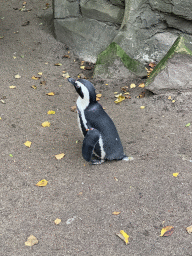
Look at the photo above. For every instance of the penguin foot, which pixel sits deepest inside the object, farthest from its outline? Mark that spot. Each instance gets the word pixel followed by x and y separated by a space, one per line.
pixel 96 161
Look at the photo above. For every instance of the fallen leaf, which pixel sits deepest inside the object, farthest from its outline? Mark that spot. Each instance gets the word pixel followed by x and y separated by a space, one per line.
pixel 82 67
pixel 142 107
pixel 1 37
pixel 66 75
pixel 175 174
pixel 46 124
pixel 115 92
pixel 167 231
pixel 123 236
pixel 40 73
pixel 57 221
pixel 17 76
pixel 97 99
pixel 120 94
pixel 169 98
pixel 126 93
pixel 10 155
pixel 31 240
pixel 58 64
pixel 98 95
pixel 187 125
pixel 34 86
pixel 132 86
pixel 142 85
pixel 115 178
pixel 116 213
pixel 50 93
pixel 66 56
pixel 14 57
pixel 42 183
pixel 73 108
pixel 173 101
pixel 76 141
pixel 35 77
pixel 59 156
pixel 106 84
pixel 28 143
pixel 82 62
pixel 0 118
pixel 189 229
pixel 80 193
pixel 43 82
pixel 12 86
pixel 152 64
pixel 124 88
pixel 81 76
pixel 119 99
pixel 51 112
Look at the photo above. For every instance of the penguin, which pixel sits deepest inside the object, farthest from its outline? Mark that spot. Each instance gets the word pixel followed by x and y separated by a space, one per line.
pixel 101 138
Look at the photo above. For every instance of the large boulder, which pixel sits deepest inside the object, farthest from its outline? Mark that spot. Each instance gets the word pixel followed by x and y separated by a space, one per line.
pixel 173 72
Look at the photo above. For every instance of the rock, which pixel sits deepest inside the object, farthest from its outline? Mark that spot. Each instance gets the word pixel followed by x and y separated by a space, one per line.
pixel 65 8
pixel 101 10
pixel 113 62
pixel 118 2
pixel 173 72
pixel 87 36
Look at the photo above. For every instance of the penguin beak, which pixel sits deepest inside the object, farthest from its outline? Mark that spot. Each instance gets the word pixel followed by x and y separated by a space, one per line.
pixel 73 81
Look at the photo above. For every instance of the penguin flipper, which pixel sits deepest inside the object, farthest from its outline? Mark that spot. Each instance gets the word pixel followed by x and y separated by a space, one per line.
pixel 89 142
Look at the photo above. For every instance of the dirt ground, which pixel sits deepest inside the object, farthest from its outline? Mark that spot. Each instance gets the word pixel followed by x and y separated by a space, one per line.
pixel 84 196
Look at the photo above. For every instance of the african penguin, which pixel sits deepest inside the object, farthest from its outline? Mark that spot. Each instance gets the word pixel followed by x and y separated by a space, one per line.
pixel 100 134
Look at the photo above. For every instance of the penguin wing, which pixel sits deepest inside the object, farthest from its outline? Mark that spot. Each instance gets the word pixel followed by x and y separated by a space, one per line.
pixel 89 142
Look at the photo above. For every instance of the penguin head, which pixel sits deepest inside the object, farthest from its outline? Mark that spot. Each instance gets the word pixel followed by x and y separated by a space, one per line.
pixel 85 89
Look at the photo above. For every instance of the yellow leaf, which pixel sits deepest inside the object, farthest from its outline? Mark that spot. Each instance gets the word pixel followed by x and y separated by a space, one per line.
pixel 31 240
pixel 58 64
pixel 73 108
pixel 17 76
pixel 97 99
pixel 106 84
pixel 35 77
pixel 82 67
pixel 173 101
pixel 142 107
pixel 42 183
pixel 116 213
pixel 40 73
pixel 34 87
pixel 59 156
pixel 132 86
pixel 167 231
pixel 123 236
pixel 126 93
pixel 99 95
pixel 46 124
pixel 189 229
pixel 27 144
pixel 119 99
pixel 57 221
pixel 115 92
pixel 169 98
pixel 51 112
pixel 14 57
pixel 142 85
pixel 175 174
pixel 50 93
pixel 12 86
pixel 118 95
pixel 66 75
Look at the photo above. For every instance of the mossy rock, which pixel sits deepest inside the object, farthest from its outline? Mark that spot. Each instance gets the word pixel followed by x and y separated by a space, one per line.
pixel 180 54
pixel 115 60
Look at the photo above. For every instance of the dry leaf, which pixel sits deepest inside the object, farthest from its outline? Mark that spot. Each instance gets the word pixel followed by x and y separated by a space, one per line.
pixel 66 56
pixel 126 93
pixel 167 231
pixel 17 76
pixel 116 213
pixel 123 236
pixel 51 112
pixel 73 108
pixel 34 86
pixel 31 240
pixel 82 62
pixel 50 93
pixel 97 99
pixel 59 156
pixel 99 95
pixel 58 64
pixel 115 178
pixel 173 101
pixel 14 57
pixel 124 89
pixel 57 221
pixel 82 67
pixel 142 85
pixel 115 92
pixel 43 82
pixel 152 64
pixel 189 229
pixel 40 73
pixel 35 77
pixel 12 86
pixel 42 183
pixel 187 125
pixel 27 143
pixel 142 107
pixel 169 98
pixel 175 174
pixel 119 99
pixel 46 124
pixel 132 86
pixel 66 75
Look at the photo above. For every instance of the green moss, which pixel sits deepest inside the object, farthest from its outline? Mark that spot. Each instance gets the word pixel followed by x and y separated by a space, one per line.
pixel 179 47
pixel 114 51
